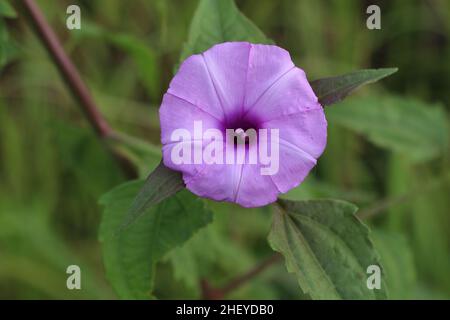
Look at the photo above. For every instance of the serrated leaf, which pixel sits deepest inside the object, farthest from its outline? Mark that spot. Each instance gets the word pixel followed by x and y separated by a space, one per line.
pixel 398 263
pixel 131 255
pixel 326 247
pixel 334 89
pixel 217 21
pixel 407 126
pixel 160 184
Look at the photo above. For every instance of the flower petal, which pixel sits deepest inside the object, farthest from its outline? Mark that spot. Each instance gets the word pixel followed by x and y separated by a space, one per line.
pixel 289 94
pixel 266 65
pixel 214 181
pixel 227 64
pixel 306 130
pixel 186 168
pixel 255 190
pixel 259 85
pixel 242 184
pixel 295 164
pixel 193 84
pixel 177 113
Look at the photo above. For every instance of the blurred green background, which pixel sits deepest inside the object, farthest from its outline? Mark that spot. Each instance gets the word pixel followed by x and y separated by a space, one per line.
pixel 391 160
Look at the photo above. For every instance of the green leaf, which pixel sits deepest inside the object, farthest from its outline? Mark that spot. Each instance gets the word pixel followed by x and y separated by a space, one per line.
pixel 326 247
pixel 334 89
pixel 217 21
pixel 6 10
pixel 398 263
pixel 131 255
pixel 160 184
pixel 407 126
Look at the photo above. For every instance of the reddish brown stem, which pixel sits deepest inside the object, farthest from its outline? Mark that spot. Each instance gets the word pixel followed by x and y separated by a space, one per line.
pixel 82 94
pixel 74 82
pixel 211 293
pixel 67 68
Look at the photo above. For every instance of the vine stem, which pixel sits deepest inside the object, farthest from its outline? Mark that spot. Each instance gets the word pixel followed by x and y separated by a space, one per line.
pixel 416 192
pixel 80 91
pixel 74 82
pixel 210 293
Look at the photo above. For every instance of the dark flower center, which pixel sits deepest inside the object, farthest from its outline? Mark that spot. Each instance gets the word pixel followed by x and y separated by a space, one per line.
pixel 238 121
pixel 240 124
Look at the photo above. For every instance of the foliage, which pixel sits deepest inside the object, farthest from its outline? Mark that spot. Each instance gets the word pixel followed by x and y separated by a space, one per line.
pixel 216 22
pixel 387 153
pixel 334 89
pixel 327 248
pixel 130 255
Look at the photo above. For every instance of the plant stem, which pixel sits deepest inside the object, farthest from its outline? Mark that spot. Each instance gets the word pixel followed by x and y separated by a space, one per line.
pixel 219 293
pixel 67 68
pixel 416 192
pixel 73 81
pixel 213 293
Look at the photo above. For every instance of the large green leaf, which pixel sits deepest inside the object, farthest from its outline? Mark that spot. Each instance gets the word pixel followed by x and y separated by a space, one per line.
pixel 404 125
pixel 398 263
pixel 130 255
pixel 217 21
pixel 160 184
pixel 326 247
pixel 334 89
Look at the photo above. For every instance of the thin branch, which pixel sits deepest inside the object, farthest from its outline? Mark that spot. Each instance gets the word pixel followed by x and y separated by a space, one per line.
pixel 413 194
pixel 67 68
pixel 82 94
pixel 219 293
pixel 385 204
pixel 73 80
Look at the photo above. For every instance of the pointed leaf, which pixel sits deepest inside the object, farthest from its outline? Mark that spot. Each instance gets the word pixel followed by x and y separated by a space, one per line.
pixel 334 89
pixel 326 247
pixel 160 184
pixel 217 21
pixel 131 255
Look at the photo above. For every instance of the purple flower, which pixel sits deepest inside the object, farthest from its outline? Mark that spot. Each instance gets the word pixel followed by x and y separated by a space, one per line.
pixel 240 86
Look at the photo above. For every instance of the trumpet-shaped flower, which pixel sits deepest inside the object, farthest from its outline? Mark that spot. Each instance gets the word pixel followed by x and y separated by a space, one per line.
pixel 246 88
